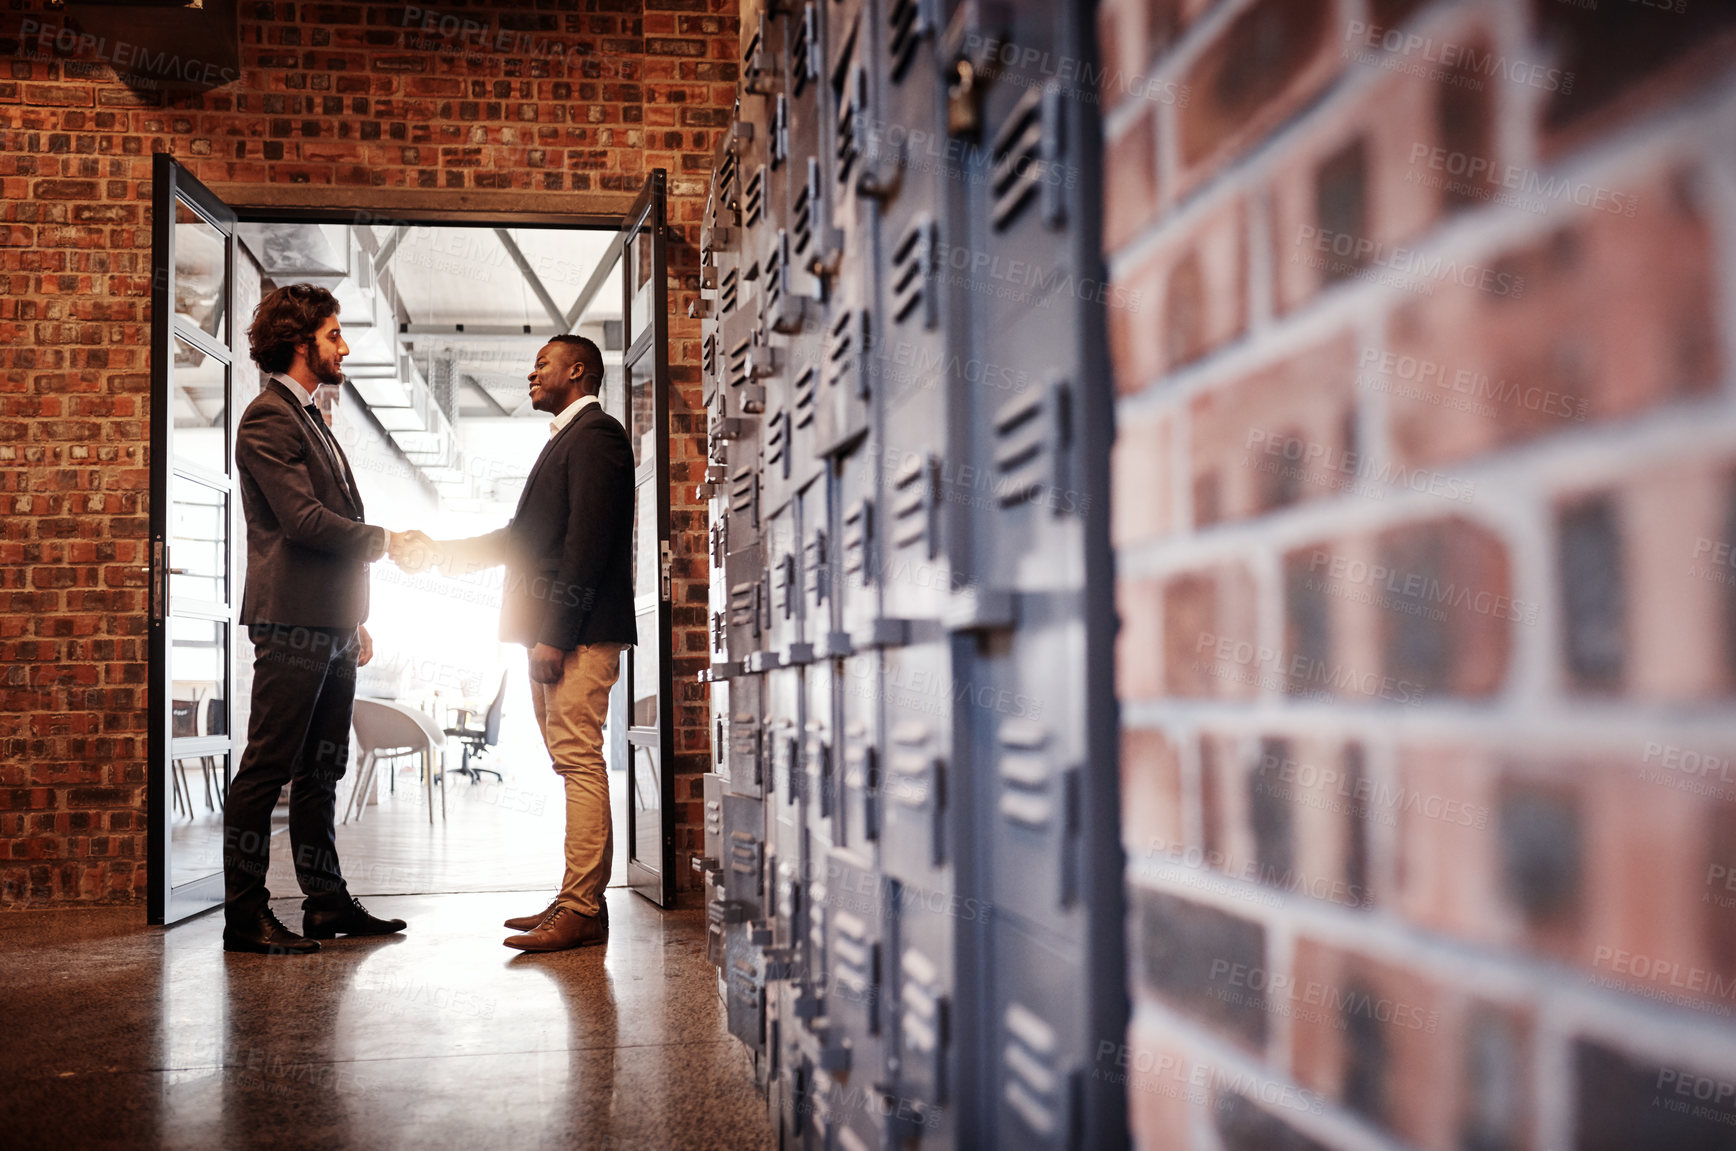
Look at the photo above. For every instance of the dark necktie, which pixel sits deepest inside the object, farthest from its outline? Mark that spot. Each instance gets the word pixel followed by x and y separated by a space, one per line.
pixel 331 448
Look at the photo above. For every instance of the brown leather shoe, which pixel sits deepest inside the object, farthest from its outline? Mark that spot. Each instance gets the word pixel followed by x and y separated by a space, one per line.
pixel 530 922
pixel 563 928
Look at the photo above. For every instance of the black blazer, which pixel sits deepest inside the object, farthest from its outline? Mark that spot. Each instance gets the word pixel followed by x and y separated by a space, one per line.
pixel 307 548
pixel 568 547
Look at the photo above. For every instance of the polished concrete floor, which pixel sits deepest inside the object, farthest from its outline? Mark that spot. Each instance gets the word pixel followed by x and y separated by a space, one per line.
pixel 126 1036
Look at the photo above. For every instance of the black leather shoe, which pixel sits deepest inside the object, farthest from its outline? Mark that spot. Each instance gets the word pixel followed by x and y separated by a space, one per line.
pixel 266 936
pixel 351 920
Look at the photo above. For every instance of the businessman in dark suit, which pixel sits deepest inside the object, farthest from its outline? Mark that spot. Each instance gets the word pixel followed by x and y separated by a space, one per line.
pixel 308 552
pixel 568 598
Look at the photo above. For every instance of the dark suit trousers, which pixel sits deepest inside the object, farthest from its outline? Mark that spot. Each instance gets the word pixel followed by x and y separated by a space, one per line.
pixel 304 686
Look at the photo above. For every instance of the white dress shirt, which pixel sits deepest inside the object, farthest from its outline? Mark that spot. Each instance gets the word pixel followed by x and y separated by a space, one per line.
pixel 570 413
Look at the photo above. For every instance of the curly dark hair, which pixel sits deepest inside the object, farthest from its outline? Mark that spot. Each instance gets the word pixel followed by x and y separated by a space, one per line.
pixel 287 319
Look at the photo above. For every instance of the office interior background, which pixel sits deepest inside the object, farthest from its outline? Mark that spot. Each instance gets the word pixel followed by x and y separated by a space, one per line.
pixel 1189 545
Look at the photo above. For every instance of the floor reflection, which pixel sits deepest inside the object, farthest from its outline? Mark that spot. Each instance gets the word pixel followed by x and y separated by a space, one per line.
pixel 439 1038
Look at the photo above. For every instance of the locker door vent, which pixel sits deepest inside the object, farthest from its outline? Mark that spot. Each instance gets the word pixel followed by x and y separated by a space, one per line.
pixel 744 858
pixel 846 351
pixel 785 604
pixel 754 198
pixel 744 606
pixel 861 776
pixel 805 387
pixel 922 1019
pixel 851 103
pixel 1031 440
pixel 819 760
pixel 859 542
pixel 804 51
pixel 817 573
pixel 728 290
pixel 1035 1086
pixel 1026 155
pixel 778 442
pixel 719 540
pixel 1028 796
pixel 744 743
pixel 772 294
pixel 914 505
pixel 802 211
pixel 913 273
pixel 787 752
pixel 726 190
pixel 744 493
pixel 906 25
pixel 856 964
pixel 913 780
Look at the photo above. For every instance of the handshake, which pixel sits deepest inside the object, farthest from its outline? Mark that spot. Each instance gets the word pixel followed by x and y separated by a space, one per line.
pixel 413 551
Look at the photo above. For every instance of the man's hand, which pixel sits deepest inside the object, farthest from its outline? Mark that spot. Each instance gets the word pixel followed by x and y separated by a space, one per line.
pixel 365 642
pixel 412 550
pixel 546 663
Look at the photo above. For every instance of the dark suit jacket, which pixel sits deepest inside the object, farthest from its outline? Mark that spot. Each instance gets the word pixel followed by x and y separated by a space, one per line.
pixel 307 547
pixel 568 547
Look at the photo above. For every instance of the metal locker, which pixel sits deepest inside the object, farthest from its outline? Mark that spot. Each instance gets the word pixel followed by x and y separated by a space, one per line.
pixel 859 758
pixel 848 1034
pixel 914 785
pixel 744 733
pixel 922 1005
pixel 1038 1056
pixel 743 859
pixel 1030 775
pixel 744 979
pixel 918 892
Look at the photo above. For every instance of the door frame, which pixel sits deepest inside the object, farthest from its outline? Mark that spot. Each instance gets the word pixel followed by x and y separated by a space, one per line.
pixel 165 902
pixel 162 903
pixel 648 217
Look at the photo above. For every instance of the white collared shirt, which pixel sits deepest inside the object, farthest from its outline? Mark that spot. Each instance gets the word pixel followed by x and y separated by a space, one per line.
pixel 570 413
pixel 295 388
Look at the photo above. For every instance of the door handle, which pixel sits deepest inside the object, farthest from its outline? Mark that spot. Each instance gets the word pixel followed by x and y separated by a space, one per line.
pixel 159 580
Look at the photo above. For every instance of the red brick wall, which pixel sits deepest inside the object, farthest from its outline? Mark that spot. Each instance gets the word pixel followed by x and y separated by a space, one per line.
pixel 1424 505
pixel 491 107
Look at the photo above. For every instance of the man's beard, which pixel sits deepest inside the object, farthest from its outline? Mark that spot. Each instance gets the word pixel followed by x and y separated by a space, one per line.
pixel 326 370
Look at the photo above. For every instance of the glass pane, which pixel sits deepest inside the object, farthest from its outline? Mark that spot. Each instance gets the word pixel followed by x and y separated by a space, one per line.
pixel 198 542
pixel 647 809
pixel 645 566
pixel 198 677
pixel 645 671
pixel 639 265
pixel 199 404
pixel 198 785
pixel 644 412
pixel 201 256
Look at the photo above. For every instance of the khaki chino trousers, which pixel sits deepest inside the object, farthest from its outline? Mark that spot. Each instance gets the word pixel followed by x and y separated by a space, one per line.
pixel 570 713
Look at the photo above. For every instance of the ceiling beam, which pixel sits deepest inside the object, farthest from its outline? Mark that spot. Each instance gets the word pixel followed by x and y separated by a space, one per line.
pixel 467 378
pixel 605 266
pixel 531 278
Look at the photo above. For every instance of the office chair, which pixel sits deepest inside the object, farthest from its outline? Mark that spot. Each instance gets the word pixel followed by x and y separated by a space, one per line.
pixel 479 739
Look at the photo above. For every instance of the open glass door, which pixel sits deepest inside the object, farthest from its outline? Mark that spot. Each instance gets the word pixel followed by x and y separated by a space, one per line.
pixel 195 580
pixel 642 708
